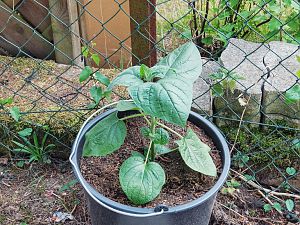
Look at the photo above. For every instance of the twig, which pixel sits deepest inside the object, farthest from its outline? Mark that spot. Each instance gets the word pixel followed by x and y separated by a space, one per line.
pixel 268 200
pixel 7 185
pixel 268 191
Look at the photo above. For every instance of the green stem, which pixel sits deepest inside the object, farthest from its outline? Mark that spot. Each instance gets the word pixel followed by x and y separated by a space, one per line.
pixel 132 116
pixel 169 129
pixel 152 151
pixel 148 152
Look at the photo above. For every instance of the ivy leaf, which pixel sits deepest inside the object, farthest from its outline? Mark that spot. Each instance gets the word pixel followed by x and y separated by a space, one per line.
pixel 267 207
pixel 102 78
pixel 26 132
pixel 85 73
pixel 126 105
pixel 105 137
pixel 161 136
pixel 96 93
pixel 196 154
pixel 140 181
pixel 289 203
pixel 277 206
pixel 293 94
pixel 162 149
pixel 127 78
pixel 290 171
pixel 15 113
pixel 217 90
pixel 96 58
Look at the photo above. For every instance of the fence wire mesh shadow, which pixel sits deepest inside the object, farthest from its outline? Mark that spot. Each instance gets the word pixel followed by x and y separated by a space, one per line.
pixel 249 86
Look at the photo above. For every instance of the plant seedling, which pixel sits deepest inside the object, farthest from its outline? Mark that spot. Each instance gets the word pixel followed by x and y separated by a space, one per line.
pixel 37 151
pixel 160 93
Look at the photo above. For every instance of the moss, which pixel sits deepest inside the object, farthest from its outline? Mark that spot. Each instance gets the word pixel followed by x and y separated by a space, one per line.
pixel 264 146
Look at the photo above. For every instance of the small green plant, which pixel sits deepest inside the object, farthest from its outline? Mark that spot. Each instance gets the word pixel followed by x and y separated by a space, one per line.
pixel 224 81
pixel 292 95
pixel 231 187
pixel 161 93
pixel 37 151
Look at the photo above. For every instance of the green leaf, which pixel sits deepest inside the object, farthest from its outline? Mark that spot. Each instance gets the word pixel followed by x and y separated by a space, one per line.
pixel 217 90
pixel 96 93
pixel 135 153
pixel 105 137
pixel 293 94
pixel 145 73
pixel 85 73
pixel 102 78
pixel 162 149
pixel 85 51
pixel 145 131
pixel 184 62
pixel 141 182
pixel 267 207
pixel 160 70
pixel 289 203
pixel 67 186
pixel 127 78
pixel 96 58
pixel 277 206
pixel 26 132
pixel 126 105
pixel 20 163
pixel 15 113
pixel 290 171
pixel 161 136
pixel 6 101
pixel 296 143
pixel 207 40
pixel 196 154
pixel 187 34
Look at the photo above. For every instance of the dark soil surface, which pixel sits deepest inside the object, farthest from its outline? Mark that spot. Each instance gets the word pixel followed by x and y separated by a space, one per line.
pixel 32 194
pixel 182 184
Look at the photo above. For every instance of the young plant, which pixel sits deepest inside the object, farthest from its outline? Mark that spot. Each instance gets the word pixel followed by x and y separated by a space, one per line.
pixel 161 93
pixel 37 151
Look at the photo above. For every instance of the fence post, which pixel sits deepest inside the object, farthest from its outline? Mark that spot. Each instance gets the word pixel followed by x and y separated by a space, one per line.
pixel 143 29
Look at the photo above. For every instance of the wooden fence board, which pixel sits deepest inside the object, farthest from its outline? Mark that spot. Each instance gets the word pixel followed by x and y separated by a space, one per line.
pixel 61 31
pixel 111 35
pixel 35 12
pixel 16 30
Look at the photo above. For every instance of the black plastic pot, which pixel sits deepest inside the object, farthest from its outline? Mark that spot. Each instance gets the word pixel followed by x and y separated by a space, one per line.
pixel 104 211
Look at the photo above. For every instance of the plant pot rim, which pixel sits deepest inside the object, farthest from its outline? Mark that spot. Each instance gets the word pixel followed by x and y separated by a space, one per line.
pixel 137 210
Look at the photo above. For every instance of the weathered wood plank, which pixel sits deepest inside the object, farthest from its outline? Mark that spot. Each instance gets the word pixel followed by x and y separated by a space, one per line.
pixel 143 30
pixel 73 19
pixel 61 31
pixel 17 31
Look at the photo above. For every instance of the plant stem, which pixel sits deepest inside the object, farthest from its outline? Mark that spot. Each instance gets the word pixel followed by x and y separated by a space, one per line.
pixel 132 116
pixel 152 151
pixel 148 152
pixel 169 129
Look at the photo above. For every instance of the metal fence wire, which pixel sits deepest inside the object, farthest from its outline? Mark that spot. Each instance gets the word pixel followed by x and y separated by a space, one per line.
pixel 249 86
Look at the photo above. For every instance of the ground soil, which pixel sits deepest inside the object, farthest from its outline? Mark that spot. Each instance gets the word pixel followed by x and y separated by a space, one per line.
pixel 182 184
pixel 32 194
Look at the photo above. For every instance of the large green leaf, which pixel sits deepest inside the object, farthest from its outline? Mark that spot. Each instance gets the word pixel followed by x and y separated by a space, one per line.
pixel 126 105
pixel 141 182
pixel 105 137
pixel 196 154
pixel 293 94
pixel 128 77
pixel 184 62
pixel 170 98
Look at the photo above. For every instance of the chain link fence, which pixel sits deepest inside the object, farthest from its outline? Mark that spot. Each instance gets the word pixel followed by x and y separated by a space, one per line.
pixel 249 86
